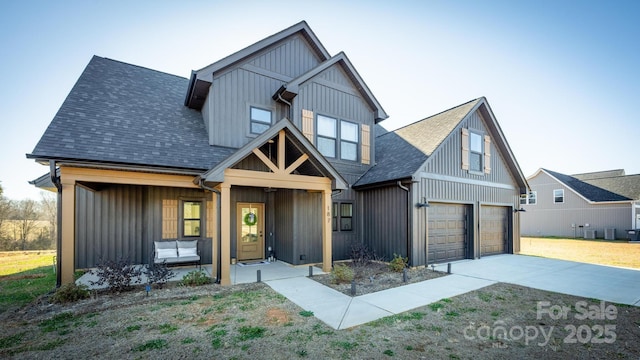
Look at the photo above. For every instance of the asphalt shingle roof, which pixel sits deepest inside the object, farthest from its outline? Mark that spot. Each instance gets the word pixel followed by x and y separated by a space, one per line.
pixel 616 188
pixel 400 153
pixel 126 114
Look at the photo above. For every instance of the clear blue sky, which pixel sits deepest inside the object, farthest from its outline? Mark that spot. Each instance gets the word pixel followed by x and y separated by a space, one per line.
pixel 562 77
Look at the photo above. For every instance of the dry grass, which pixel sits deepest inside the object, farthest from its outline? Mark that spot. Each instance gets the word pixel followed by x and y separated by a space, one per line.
pixel 614 253
pixel 13 262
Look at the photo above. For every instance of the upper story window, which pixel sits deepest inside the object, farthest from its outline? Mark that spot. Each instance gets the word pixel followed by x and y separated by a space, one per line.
pixel 191 218
pixel 260 120
pixel 333 139
pixel 327 135
pixel 475 151
pixel 558 196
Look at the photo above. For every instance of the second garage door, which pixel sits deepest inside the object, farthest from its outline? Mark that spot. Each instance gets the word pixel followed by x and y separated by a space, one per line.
pixel 447 232
pixel 494 230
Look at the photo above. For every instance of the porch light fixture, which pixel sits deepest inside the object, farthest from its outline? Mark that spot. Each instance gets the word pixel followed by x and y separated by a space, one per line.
pixel 519 210
pixel 424 203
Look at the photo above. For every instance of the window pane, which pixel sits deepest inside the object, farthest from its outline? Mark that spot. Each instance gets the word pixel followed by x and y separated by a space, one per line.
pixel 532 197
pixel 192 228
pixel 475 161
pixel 327 147
pixel 326 126
pixel 558 196
pixel 334 217
pixel 346 210
pixel 261 116
pixel 349 131
pixel 191 210
pixel 258 128
pixel 348 151
pixel 523 199
pixel 345 224
pixel 475 142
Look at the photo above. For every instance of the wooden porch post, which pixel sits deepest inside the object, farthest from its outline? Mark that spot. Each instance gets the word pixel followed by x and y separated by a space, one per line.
pixel 225 231
pixel 68 231
pixel 326 230
pixel 214 236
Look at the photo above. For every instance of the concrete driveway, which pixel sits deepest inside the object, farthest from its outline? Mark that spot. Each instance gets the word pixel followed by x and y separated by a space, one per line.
pixel 607 283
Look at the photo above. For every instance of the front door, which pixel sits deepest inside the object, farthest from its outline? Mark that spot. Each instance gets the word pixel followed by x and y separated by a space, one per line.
pixel 250 219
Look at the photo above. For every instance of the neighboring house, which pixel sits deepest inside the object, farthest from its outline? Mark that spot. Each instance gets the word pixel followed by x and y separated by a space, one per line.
pixel 602 204
pixel 270 151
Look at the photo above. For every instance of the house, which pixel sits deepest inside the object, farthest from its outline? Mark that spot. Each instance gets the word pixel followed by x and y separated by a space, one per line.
pixel 603 204
pixel 270 151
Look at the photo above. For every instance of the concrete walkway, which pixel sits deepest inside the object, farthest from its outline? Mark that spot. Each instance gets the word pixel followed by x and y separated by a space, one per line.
pixel 341 311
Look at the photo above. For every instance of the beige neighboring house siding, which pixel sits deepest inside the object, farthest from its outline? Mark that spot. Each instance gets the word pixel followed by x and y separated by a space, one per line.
pixel 547 218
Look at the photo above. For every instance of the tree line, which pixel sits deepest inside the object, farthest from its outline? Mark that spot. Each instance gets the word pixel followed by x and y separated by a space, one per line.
pixel 27 224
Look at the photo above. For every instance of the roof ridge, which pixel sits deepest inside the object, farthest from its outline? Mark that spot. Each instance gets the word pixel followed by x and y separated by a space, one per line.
pixel 434 115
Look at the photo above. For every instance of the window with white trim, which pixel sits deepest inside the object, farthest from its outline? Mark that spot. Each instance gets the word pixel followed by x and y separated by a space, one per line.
pixel 529 199
pixel 327 134
pixel 348 141
pixel 260 120
pixel 558 196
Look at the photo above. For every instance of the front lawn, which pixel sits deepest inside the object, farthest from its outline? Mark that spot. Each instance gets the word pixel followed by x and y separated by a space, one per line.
pixel 24 276
pixel 614 253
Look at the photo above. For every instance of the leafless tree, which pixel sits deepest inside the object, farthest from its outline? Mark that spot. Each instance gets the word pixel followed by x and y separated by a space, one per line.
pixel 26 214
pixel 49 209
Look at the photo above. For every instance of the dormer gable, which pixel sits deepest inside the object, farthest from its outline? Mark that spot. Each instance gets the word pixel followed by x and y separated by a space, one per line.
pixel 201 80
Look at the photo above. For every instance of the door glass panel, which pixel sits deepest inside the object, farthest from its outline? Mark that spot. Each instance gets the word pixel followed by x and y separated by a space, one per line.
pixel 249 225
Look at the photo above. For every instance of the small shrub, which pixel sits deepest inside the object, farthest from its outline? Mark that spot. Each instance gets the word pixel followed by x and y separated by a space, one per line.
pixel 70 292
pixel 342 273
pixel 152 344
pixel 158 274
pixel 361 255
pixel 196 278
pixel 398 263
pixel 118 275
pixel 306 313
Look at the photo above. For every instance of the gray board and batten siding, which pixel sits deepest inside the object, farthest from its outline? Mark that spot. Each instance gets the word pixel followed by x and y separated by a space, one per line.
pixel 568 219
pixel 441 181
pixel 122 222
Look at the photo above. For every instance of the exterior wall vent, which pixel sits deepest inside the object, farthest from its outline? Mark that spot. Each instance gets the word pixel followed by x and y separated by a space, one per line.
pixel 589 234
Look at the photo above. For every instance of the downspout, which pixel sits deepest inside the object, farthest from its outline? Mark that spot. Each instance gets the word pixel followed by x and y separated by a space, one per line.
pixel 219 220
pixel 288 103
pixel 409 208
pixel 56 181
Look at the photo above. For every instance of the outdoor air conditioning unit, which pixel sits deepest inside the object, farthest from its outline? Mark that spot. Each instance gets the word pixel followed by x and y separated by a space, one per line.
pixel 589 234
pixel 609 234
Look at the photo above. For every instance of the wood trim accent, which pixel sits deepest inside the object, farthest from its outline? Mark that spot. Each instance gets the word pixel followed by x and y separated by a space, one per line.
pixel 307 124
pixel 487 154
pixel 326 230
pixel 365 134
pixel 211 216
pixel 225 233
pixel 127 177
pixel 68 231
pixel 284 181
pixel 215 227
pixel 266 160
pixel 281 149
pixel 296 164
pixel 169 219
pixel 465 149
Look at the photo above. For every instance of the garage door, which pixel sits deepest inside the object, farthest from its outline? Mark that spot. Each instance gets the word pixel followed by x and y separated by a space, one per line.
pixel 447 232
pixel 494 230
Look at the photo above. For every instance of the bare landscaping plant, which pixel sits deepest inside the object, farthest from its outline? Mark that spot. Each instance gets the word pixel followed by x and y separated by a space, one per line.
pixel 157 274
pixel 119 275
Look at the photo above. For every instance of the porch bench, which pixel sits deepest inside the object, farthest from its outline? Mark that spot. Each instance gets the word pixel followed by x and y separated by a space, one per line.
pixel 176 252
